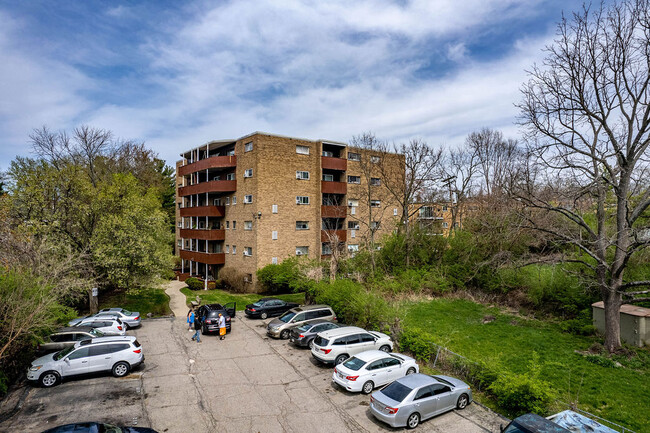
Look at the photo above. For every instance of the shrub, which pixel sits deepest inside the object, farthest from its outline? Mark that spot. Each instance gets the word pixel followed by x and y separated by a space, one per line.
pixel 234 280
pixel 285 277
pixel 194 283
pixel 419 344
pixel 523 393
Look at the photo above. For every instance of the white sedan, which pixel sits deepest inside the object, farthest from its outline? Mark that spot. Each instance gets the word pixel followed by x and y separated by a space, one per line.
pixel 107 325
pixel 373 368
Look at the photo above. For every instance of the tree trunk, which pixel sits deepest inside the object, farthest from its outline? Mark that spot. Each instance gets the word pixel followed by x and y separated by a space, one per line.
pixel 612 301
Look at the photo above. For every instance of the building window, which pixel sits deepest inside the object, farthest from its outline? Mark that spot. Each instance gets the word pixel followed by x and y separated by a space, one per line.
pixel 444 208
pixel 328 153
pixel 353 225
pixel 248 146
pixel 274 260
pixel 353 233
pixel 227 200
pixel 375 203
pixel 354 179
pixel 326 249
pixel 375 181
pixel 227 249
pixel 354 156
pixel 445 225
pixel 394 211
pixel 375 159
pixel 374 225
pixel 274 235
pixel 274 208
pixel 234 249
pixel 303 150
pixel 302 199
pixel 353 248
pixel 230 176
pixel 248 172
pixel 302 225
pixel 234 225
pixel 227 224
pixel 248 278
pixel 180 243
pixel 248 225
pixel 302 251
pixel 328 177
pixel 234 199
pixel 248 199
pixel 302 175
pixel 248 251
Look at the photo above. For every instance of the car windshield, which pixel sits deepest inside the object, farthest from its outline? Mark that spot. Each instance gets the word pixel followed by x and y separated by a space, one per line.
pixel 96 332
pixel 63 353
pixel 258 304
pixel 513 429
pixel 286 317
pixel 354 364
pixel 126 312
pixel 305 328
pixel 396 391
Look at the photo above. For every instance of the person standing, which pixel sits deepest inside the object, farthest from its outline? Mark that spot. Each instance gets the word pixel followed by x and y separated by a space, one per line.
pixel 197 327
pixel 222 327
pixel 190 319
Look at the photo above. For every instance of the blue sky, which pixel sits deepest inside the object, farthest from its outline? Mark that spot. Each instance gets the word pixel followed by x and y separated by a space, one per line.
pixel 178 74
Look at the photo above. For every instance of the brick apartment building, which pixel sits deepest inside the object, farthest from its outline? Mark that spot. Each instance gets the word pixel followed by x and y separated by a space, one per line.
pixel 259 199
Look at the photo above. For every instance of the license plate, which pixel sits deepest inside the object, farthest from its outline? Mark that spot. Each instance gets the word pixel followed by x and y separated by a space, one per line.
pixel 340 376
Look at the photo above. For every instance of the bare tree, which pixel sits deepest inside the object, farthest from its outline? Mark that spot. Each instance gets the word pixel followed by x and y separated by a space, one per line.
pixel 587 113
pixel 497 159
pixel 411 179
pixel 458 173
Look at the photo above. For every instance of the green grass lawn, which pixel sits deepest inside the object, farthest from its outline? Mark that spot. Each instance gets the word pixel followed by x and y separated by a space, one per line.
pixel 145 301
pixel 621 395
pixel 223 297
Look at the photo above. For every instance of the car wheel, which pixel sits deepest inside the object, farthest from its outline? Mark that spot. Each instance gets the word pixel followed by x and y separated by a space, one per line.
pixel 385 348
pixel 340 359
pixel 121 369
pixel 413 420
pixel 410 371
pixel 264 315
pixel 49 379
pixel 368 387
pixel 284 334
pixel 463 401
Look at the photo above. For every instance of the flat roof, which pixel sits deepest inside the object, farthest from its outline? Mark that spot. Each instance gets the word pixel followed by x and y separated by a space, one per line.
pixel 632 310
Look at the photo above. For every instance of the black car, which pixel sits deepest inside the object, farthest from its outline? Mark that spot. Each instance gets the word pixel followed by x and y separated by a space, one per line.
pixel 268 307
pixel 304 335
pixel 96 427
pixel 208 316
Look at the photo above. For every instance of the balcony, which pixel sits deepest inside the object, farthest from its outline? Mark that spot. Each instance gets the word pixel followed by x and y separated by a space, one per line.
pixel 204 164
pixel 333 211
pixel 211 186
pixel 207 258
pixel 331 163
pixel 333 187
pixel 207 235
pixel 327 235
pixel 210 211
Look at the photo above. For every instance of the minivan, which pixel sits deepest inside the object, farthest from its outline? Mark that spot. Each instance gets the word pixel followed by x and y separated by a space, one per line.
pixel 281 327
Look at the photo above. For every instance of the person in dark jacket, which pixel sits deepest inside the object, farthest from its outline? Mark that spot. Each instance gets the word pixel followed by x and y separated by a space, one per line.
pixel 197 327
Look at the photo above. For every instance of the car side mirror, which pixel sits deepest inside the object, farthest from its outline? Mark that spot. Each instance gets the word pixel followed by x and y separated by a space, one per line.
pixel 67 360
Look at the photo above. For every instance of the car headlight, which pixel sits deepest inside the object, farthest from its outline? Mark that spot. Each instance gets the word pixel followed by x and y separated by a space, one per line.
pixel 35 367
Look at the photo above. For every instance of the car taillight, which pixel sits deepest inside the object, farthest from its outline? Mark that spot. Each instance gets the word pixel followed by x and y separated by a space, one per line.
pixel 227 319
pixel 392 410
pixel 372 399
pixel 119 327
pixel 335 370
pixel 301 336
pixel 137 318
pixel 137 351
pixel 352 378
pixel 252 309
pixel 326 351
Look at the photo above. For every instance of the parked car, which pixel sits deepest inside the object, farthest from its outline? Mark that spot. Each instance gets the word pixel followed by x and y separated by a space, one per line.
pixel 67 337
pixel 281 327
pixel 106 325
pixel 78 320
pixel 130 318
pixel 118 355
pixel 268 307
pixel 208 316
pixel 337 345
pixel 533 423
pixel 96 427
pixel 371 369
pixel 303 336
pixel 418 397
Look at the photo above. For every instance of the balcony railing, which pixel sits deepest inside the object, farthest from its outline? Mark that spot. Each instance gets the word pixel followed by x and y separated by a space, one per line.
pixel 328 235
pixel 333 187
pixel 211 186
pixel 207 258
pixel 210 211
pixel 332 163
pixel 204 164
pixel 333 211
pixel 203 234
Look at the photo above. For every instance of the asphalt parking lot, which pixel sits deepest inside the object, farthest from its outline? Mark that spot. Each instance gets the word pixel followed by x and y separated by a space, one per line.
pixel 245 383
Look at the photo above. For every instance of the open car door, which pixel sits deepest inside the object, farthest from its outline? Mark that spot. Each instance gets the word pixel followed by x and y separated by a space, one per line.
pixel 230 308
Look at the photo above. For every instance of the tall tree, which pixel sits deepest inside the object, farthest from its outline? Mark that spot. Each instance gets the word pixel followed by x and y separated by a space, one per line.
pixel 587 113
pixel 458 173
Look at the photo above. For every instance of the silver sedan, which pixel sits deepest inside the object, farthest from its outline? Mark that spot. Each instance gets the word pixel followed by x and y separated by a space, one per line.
pixel 417 397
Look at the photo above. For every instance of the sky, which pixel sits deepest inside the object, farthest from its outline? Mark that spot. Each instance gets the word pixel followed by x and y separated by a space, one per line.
pixel 178 74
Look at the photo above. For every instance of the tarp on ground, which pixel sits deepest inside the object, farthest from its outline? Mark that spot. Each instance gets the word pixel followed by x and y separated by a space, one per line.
pixel 577 423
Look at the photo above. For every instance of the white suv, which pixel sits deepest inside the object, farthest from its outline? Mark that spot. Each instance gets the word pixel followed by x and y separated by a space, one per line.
pixel 116 354
pixel 337 345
